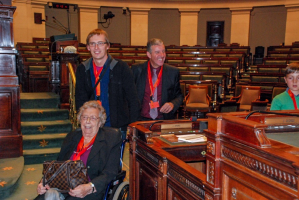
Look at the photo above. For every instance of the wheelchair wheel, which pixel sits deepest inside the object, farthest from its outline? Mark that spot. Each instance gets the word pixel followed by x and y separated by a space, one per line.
pixel 122 192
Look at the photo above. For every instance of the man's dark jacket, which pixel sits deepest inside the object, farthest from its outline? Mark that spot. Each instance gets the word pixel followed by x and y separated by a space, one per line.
pixel 104 158
pixel 171 90
pixel 123 101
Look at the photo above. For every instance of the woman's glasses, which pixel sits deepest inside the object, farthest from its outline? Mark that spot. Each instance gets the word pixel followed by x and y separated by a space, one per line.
pixel 91 118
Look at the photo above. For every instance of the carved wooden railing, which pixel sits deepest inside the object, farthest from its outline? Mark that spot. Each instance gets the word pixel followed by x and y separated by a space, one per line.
pixel 72 86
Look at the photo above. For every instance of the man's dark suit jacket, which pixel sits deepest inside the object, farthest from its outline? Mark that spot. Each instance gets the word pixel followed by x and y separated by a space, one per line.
pixel 171 90
pixel 103 160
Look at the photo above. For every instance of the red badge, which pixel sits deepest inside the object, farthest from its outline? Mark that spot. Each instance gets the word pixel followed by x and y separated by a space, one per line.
pixel 154 104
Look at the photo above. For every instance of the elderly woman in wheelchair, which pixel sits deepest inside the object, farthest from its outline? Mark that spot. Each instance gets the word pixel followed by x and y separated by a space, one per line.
pixel 99 149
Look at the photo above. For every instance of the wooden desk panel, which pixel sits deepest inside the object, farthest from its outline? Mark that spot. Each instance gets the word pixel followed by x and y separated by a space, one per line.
pixel 241 161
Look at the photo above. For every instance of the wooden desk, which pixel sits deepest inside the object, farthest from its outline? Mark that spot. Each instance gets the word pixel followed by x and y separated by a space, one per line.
pixel 161 169
pixel 254 158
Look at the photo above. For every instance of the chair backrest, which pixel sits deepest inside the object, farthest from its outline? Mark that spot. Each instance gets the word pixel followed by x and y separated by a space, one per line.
pixel 259 105
pixel 249 94
pixel 197 94
pixel 183 88
pixel 277 90
pixel 229 106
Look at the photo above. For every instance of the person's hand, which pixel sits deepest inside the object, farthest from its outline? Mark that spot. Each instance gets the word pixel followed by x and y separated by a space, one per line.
pixel 41 189
pixel 81 190
pixel 167 107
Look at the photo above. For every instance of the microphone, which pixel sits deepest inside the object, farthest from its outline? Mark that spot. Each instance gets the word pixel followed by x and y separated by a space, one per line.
pixel 55 26
pixel 66 29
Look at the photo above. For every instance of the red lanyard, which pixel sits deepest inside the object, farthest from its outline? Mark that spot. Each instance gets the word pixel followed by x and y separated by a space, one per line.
pixel 155 85
pixel 81 148
pixel 96 75
pixel 293 98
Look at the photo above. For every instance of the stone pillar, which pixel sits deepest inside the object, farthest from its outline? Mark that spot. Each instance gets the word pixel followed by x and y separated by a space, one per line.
pixel 24 27
pixel 292 25
pixel 240 25
pixel 188 26
pixel 88 20
pixel 139 26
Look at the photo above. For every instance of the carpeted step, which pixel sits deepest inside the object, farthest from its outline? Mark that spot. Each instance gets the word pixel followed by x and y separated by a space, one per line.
pixel 45 114
pixel 42 141
pixel 10 171
pixel 42 127
pixel 39 100
pixel 37 156
pixel 26 186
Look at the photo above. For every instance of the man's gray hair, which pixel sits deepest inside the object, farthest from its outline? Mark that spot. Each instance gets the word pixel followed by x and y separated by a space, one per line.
pixel 153 41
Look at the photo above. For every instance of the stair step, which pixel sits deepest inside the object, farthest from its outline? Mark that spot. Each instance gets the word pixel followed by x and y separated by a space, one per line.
pixel 44 114
pixel 39 100
pixel 42 127
pixel 37 156
pixel 10 171
pixel 26 186
pixel 42 141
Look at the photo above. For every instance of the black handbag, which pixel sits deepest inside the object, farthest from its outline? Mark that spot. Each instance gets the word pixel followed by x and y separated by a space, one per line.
pixel 64 175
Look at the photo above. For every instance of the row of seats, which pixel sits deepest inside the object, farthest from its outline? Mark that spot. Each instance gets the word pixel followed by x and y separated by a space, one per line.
pixel 198 102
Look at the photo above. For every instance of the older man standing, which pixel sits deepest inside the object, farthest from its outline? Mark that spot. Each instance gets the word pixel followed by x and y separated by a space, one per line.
pixel 158 85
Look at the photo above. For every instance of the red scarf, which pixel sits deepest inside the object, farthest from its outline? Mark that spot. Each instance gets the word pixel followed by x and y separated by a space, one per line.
pixel 293 98
pixel 81 148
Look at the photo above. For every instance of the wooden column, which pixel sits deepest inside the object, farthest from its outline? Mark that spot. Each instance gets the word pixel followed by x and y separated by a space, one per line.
pixel 189 24
pixel 59 78
pixel 292 26
pixel 10 126
pixel 139 26
pixel 240 25
pixel 88 20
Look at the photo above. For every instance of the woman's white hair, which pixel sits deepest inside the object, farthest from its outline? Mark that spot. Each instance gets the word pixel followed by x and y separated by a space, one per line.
pixel 93 104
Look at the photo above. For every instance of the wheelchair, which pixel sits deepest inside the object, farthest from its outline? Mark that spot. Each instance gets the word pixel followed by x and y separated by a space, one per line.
pixel 118 189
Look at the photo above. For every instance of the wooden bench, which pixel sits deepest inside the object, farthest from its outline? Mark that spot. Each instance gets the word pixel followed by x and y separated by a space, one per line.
pixel 271 68
pixel 33 72
pixel 279 61
pixel 41 40
pixel 207 76
pixel 283 54
pixel 267 77
pixel 32 45
pixel 282 48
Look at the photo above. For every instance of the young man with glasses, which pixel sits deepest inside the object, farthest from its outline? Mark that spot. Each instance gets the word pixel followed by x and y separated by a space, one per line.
pixel 107 80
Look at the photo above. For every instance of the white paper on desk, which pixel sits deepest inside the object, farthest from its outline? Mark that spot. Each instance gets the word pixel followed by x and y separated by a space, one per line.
pixel 192 138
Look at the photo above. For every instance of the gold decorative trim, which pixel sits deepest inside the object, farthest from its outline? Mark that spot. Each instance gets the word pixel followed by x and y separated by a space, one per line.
pixel 197 189
pixel 210 172
pixel 211 147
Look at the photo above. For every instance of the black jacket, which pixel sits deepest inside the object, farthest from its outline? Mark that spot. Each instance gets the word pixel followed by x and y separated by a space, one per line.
pixel 123 101
pixel 104 158
pixel 171 90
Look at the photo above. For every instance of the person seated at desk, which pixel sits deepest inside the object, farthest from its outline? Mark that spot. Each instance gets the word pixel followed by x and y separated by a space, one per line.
pixel 99 149
pixel 289 99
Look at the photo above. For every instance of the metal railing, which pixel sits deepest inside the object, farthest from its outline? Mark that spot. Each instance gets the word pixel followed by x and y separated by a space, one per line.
pixel 72 86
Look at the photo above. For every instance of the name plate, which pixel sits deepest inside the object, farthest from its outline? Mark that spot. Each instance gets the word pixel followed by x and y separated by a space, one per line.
pixel 176 125
pixel 282 120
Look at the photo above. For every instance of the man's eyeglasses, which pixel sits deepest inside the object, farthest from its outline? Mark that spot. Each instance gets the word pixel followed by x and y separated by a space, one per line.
pixel 91 118
pixel 100 43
